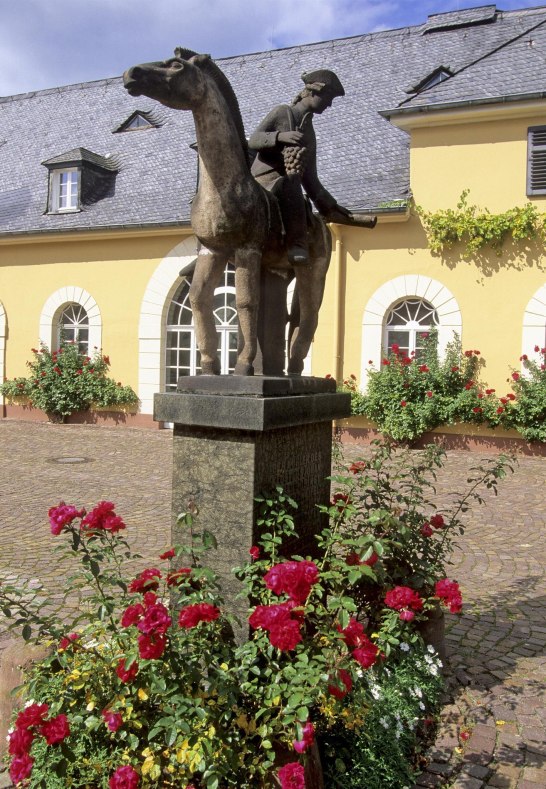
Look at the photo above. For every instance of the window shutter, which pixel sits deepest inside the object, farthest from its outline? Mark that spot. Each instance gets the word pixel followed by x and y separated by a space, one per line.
pixel 536 161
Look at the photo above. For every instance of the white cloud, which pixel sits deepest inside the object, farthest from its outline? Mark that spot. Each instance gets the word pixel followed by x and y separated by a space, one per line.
pixel 45 43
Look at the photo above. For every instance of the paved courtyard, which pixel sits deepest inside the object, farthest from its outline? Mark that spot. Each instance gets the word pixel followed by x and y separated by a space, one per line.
pixel 496 647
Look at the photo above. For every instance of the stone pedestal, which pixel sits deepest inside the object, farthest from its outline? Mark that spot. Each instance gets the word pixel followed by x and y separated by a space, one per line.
pixel 237 437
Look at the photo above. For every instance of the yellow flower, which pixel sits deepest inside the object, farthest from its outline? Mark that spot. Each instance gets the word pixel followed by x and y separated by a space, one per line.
pixel 500 723
pixel 142 695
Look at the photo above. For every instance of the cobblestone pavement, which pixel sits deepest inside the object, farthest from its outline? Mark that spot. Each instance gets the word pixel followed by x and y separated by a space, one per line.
pixel 496 648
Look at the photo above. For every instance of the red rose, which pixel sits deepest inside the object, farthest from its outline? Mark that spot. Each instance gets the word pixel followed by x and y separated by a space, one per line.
pixel 450 594
pixel 357 466
pixel 468 354
pixel 124 778
pixel 66 641
pixel 292 578
pixel 489 391
pixel 192 615
pixel 345 679
pixel 103 518
pixel 511 396
pixel 155 620
pixel 395 348
pixel 113 720
pixel 426 530
pixel 265 616
pixel 403 403
pixel 254 552
pixel 19 741
pixel 126 674
pixel 366 654
pixel 151 647
pixel 424 369
pixel 132 615
pixel 523 358
pixel 454 369
pixel 402 598
pixel 33 715
pixel 168 554
pixel 285 634
pixel 429 394
pixel 55 730
pixel 20 768
pixel 406 615
pixel 477 410
pixel 148 580
pixel 516 376
pixel 500 410
pixel 62 515
pixel 437 521
pixel 386 362
pixel 291 776
pixel 353 634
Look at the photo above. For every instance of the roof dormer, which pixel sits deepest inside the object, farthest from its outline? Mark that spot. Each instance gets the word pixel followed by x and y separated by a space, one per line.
pixel 78 177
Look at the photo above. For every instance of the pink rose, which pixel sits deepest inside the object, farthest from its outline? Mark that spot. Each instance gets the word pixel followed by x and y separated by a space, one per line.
pixel 113 720
pixel 124 778
pixel 20 768
pixel 291 776
pixel 292 578
pixel 308 738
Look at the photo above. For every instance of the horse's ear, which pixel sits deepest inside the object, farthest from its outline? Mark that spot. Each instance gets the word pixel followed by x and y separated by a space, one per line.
pixel 184 54
pixel 200 60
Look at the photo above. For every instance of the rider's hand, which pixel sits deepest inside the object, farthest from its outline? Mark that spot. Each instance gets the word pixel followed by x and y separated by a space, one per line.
pixel 290 137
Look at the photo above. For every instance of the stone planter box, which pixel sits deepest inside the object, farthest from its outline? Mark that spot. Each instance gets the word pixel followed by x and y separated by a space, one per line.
pixel 474 438
pixel 128 417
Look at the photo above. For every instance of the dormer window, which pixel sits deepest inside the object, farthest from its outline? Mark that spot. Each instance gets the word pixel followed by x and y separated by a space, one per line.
pixel 140 120
pixel 433 78
pixel 64 191
pixel 78 178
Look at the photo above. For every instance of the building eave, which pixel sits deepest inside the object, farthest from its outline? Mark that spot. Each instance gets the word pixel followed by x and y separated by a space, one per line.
pixel 469 111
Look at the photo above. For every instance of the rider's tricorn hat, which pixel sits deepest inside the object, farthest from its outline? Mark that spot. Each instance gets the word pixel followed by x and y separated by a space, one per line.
pixel 323 78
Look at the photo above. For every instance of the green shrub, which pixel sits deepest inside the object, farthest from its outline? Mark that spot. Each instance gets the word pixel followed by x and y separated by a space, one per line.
pixel 528 412
pixel 66 381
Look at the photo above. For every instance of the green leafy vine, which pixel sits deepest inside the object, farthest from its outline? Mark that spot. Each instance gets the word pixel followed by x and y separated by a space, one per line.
pixel 477 227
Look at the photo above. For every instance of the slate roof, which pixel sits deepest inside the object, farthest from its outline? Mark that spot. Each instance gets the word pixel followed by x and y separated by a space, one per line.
pixel 363 159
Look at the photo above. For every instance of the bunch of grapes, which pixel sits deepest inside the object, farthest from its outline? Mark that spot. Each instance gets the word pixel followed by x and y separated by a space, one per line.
pixel 295 157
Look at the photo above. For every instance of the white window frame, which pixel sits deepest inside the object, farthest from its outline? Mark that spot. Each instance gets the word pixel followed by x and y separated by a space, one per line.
pixel 412 327
pixel 73 192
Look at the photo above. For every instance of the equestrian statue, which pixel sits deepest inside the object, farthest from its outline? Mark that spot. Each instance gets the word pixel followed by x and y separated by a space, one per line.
pixel 253 215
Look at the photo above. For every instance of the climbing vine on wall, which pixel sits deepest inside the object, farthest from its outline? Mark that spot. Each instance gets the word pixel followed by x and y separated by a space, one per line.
pixel 477 227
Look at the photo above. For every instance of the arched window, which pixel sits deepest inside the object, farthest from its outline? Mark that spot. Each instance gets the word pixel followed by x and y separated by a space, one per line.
pixel 182 356
pixel 408 323
pixel 73 326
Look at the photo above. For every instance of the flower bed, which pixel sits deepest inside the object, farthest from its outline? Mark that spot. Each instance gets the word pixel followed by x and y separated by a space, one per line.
pixel 66 381
pixel 409 397
pixel 148 687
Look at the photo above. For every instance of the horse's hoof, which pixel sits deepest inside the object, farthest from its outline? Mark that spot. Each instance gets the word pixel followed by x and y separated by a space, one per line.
pixel 210 368
pixel 243 369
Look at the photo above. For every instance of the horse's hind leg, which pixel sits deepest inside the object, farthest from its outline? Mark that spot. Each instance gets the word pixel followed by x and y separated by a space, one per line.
pixel 247 294
pixel 207 276
pixel 309 291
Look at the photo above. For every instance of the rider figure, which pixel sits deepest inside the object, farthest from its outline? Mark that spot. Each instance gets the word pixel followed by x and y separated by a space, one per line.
pixel 287 159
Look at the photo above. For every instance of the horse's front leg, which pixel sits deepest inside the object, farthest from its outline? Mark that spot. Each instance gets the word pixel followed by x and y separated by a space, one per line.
pixel 247 294
pixel 207 276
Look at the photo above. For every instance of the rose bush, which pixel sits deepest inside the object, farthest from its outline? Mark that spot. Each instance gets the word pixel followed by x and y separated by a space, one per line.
pixel 408 396
pixel 65 381
pixel 147 685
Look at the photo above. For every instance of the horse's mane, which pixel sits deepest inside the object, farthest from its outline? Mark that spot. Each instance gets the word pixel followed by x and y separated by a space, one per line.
pixel 224 86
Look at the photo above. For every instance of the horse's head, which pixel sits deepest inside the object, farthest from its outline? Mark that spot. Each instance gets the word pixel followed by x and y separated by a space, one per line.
pixel 178 83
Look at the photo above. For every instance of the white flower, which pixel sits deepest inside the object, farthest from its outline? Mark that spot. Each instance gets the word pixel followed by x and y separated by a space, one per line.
pixel 397 735
pixel 404 647
pixel 376 693
pixel 439 663
pixel 422 706
pixel 434 671
pixel 430 649
pixel 418 692
pixel 384 722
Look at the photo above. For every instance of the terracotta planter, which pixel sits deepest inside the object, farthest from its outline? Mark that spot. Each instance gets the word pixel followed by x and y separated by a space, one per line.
pixel 433 631
pixel 55 418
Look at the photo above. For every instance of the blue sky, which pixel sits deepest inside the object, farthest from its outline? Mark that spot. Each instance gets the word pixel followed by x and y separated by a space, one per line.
pixel 47 43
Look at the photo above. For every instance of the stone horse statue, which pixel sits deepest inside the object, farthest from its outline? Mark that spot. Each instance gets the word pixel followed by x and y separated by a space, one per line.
pixel 237 220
